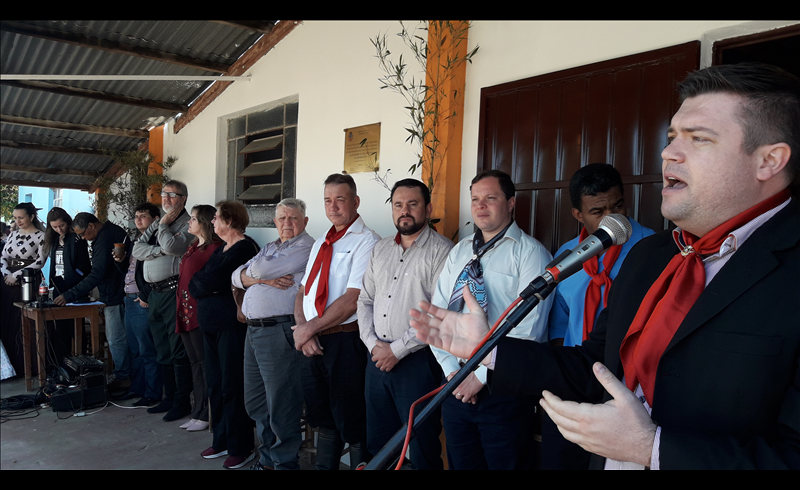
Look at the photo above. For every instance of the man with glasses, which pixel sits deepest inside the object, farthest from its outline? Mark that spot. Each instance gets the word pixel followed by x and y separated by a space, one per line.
pixel 110 285
pixel 161 247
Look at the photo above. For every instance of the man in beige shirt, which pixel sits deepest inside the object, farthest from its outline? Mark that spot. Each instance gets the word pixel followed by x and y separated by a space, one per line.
pixel 402 271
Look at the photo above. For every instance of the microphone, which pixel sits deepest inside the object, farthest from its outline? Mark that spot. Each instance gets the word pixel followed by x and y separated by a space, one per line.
pixel 614 229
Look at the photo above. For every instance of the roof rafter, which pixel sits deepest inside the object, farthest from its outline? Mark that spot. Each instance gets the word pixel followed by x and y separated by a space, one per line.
pixel 50 171
pixel 35 183
pixel 112 46
pixel 85 128
pixel 247 60
pixel 94 94
pixel 264 26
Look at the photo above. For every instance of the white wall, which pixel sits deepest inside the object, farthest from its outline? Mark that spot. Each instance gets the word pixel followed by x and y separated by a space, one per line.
pixel 333 69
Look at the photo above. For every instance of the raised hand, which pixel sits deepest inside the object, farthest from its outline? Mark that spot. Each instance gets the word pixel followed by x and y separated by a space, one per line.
pixel 457 333
pixel 619 429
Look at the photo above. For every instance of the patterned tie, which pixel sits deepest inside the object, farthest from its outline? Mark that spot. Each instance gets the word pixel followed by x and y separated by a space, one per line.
pixel 472 275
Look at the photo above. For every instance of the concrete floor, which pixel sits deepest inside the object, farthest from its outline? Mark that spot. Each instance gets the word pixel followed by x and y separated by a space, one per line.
pixel 113 438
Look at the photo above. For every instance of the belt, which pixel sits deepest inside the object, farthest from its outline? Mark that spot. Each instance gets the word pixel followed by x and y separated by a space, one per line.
pixel 345 327
pixel 271 321
pixel 132 295
pixel 165 285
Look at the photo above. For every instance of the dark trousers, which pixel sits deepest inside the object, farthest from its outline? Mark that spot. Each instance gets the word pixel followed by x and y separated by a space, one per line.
pixel 390 396
pixel 11 326
pixel 274 398
pixel 195 349
pixel 494 434
pixel 224 370
pixel 333 386
pixel 162 312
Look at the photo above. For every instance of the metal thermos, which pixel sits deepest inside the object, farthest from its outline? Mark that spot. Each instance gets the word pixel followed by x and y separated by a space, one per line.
pixel 29 284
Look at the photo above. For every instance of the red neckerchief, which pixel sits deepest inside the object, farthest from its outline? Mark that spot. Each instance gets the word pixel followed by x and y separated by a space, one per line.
pixel 672 296
pixel 592 301
pixel 322 265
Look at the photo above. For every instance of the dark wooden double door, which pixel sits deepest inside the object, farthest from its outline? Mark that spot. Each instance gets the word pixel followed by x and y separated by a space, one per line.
pixel 542 129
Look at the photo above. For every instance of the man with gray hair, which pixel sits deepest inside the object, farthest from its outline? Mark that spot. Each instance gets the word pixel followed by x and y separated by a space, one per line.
pixel 161 247
pixel 271 280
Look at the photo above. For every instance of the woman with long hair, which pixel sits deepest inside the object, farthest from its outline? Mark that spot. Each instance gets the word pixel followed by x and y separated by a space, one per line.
pixel 205 243
pixel 69 264
pixel 224 337
pixel 23 249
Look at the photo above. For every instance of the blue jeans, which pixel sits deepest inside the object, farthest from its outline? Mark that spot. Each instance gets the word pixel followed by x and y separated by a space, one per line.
pixel 147 378
pixel 117 340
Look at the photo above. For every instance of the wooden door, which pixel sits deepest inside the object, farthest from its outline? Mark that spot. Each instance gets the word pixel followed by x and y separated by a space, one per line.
pixel 542 129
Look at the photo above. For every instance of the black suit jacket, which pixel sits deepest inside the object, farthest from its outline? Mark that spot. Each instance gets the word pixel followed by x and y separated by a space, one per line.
pixel 727 392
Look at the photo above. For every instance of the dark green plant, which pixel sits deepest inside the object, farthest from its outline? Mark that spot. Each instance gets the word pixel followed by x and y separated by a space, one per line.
pixel 10 198
pixel 129 190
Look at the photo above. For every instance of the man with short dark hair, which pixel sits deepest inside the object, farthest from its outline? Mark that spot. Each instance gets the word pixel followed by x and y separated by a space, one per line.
pixel 484 430
pixel 595 192
pixel 699 340
pixel 161 247
pixel 109 283
pixel 147 380
pixel 332 370
pixel 402 270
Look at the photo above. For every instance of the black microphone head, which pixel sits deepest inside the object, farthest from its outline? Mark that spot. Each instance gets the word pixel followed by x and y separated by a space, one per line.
pixel 618 227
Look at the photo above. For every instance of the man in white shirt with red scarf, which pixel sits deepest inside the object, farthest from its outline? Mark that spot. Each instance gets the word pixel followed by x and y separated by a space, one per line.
pixel 697 356
pixel 332 371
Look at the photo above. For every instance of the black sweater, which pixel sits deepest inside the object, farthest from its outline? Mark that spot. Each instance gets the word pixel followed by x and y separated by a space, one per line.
pixel 77 264
pixel 211 286
pixel 105 276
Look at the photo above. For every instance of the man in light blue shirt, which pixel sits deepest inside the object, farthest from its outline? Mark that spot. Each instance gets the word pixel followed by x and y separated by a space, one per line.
pixel 485 431
pixel 595 191
pixel 273 394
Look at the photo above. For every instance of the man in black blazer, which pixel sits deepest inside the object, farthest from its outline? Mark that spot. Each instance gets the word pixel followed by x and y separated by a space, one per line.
pixel 723 389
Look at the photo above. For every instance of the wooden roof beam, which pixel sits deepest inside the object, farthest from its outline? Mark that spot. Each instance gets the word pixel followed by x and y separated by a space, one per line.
pixel 17 145
pixel 54 185
pixel 85 128
pixel 111 46
pixel 49 171
pixel 96 95
pixel 264 26
pixel 244 63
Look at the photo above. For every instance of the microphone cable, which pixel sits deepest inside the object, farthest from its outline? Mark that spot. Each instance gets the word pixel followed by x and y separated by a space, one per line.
pixel 437 390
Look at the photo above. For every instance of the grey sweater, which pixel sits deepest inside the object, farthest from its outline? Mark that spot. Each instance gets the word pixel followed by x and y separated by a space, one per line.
pixel 162 260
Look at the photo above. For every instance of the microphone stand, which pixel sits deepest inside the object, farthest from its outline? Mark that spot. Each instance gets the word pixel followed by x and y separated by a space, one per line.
pixel 389 451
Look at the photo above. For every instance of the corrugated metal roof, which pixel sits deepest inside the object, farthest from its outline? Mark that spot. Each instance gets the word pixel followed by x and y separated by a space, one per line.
pixel 165 48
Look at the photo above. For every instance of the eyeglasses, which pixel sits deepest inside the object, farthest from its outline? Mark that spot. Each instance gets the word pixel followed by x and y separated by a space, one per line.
pixel 79 233
pixel 172 195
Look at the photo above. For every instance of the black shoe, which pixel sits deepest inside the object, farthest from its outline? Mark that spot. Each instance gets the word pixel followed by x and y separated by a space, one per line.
pixel 115 384
pixel 144 402
pixel 162 407
pixel 177 412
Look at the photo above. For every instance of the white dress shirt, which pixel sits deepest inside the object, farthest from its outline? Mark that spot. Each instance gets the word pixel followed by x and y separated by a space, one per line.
pixel 508 268
pixel 349 261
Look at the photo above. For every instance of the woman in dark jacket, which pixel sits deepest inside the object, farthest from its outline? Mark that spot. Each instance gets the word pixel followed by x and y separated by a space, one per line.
pixel 224 337
pixel 59 240
pixel 69 264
